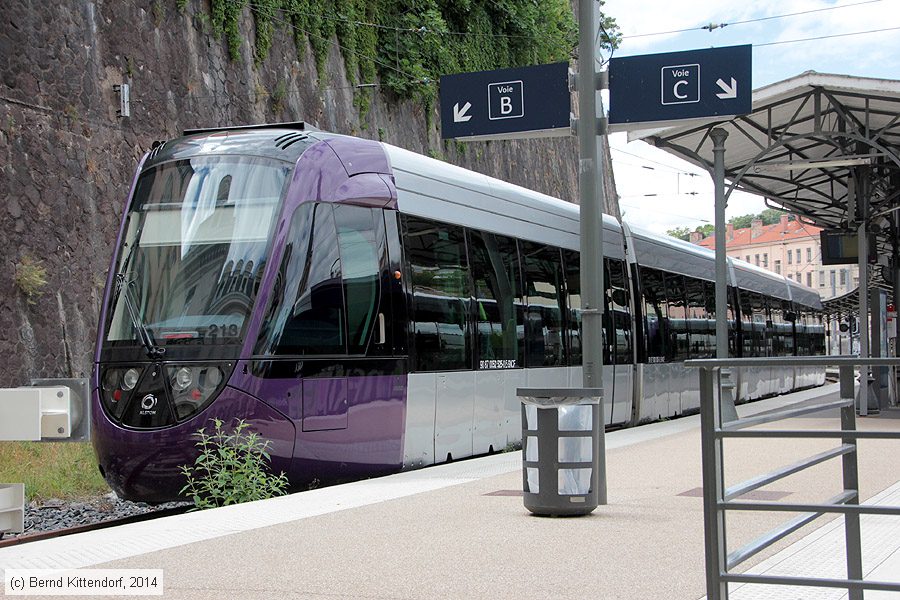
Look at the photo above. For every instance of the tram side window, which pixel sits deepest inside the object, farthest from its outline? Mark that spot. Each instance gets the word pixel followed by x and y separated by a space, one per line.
pixel 572 263
pixel 440 285
pixel 655 314
pixel 307 311
pixel 679 335
pixel 731 296
pixel 781 330
pixel 801 333
pixel 618 306
pixel 544 332
pixel 500 307
pixel 361 262
pixel 760 320
pixel 750 347
pixel 702 329
pixel 817 335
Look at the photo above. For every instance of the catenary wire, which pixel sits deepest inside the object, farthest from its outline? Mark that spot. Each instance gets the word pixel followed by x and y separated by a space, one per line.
pixel 656 162
pixel 825 37
pixel 710 27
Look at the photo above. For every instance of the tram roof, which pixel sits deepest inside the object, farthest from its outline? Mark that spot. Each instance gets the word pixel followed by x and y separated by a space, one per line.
pixel 803 147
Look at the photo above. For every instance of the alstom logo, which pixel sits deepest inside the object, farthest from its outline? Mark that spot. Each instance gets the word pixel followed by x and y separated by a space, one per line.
pixel 148 404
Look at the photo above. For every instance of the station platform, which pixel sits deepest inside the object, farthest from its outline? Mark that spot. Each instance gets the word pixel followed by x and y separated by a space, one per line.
pixel 460 530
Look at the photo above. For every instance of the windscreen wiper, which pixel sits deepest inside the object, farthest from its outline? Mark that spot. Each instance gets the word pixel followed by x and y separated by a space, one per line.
pixel 123 287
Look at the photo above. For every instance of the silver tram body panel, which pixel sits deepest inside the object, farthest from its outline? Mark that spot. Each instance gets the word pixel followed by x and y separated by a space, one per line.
pixel 758 382
pixel 465 413
pixel 806 297
pixel 665 389
pixel 473 412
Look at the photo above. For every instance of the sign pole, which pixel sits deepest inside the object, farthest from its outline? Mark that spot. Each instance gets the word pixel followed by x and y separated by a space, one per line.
pixel 591 196
pixel 719 135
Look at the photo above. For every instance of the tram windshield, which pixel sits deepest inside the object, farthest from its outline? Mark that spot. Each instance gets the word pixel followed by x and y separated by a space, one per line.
pixel 194 250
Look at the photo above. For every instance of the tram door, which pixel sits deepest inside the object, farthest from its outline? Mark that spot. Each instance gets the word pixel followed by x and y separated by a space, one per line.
pixel 331 316
pixel 619 340
pixel 351 258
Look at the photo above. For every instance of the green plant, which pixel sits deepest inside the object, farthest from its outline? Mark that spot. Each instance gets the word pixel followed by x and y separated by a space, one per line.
pixel 52 470
pixel 10 128
pixel 31 277
pixel 259 92
pixel 204 22
pixel 71 112
pixel 232 468
pixel 513 446
pixel 264 11
pixel 278 95
pixel 225 21
pixel 407 44
pixel 158 13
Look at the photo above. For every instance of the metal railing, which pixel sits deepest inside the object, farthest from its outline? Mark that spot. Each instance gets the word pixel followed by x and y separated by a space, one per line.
pixel 717 499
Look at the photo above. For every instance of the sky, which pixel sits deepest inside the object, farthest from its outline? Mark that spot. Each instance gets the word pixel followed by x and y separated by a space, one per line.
pixel 660 192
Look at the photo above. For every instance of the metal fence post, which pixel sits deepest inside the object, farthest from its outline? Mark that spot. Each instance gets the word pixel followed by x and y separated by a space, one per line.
pixel 713 488
pixel 850 472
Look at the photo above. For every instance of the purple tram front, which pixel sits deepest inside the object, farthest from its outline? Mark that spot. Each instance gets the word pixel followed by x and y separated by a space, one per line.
pixel 257 276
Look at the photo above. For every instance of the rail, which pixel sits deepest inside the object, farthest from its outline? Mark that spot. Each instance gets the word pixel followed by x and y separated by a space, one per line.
pixel 717 499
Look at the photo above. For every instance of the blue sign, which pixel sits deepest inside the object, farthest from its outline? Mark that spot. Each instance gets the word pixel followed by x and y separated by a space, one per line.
pixel 674 86
pixel 507 103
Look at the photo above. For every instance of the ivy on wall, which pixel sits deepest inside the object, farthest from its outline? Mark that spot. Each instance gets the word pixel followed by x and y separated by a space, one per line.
pixel 409 44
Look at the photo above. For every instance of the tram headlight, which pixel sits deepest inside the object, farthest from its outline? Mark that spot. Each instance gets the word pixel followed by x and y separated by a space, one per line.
pixel 182 379
pixel 116 386
pixel 210 378
pixel 193 387
pixel 111 380
pixel 130 379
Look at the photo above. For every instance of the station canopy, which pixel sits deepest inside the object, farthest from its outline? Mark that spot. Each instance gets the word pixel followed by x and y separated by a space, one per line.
pixel 814 145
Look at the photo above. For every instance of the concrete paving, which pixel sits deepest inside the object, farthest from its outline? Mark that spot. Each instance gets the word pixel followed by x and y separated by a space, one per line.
pixel 461 531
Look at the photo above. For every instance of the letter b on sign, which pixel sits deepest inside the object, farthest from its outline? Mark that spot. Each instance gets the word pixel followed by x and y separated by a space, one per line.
pixel 506 100
pixel 681 84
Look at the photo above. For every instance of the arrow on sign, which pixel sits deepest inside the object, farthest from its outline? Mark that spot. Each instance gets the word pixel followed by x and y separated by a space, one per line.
pixel 459 115
pixel 727 92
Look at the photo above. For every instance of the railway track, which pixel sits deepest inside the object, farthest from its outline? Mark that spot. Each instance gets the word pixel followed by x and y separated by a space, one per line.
pixel 46 535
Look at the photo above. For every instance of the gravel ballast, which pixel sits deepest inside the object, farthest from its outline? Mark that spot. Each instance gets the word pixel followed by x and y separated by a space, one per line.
pixel 53 514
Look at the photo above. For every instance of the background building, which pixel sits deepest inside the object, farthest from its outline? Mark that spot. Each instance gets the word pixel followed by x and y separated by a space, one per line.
pixel 789 248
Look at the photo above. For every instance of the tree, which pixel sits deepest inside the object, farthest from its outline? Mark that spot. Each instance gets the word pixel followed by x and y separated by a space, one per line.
pixel 706 230
pixel 682 233
pixel 742 222
pixel 770 216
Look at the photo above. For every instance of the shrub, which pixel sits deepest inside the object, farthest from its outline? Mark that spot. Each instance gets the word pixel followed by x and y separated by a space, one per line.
pixel 31 277
pixel 232 468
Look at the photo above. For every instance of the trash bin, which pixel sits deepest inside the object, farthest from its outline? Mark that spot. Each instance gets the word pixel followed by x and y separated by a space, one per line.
pixel 561 430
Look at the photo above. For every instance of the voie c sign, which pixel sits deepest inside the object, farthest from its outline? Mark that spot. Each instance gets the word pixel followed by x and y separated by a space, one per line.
pixel 654 89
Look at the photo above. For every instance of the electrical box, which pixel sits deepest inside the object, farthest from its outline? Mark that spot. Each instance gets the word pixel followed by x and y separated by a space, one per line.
pixel 12 507
pixel 124 91
pixel 35 413
pixel 79 406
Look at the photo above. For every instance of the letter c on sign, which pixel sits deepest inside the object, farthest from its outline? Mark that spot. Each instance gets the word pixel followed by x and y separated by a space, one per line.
pixel 675 89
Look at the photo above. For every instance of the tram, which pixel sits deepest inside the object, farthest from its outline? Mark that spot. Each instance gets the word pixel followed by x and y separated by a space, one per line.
pixel 367 310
